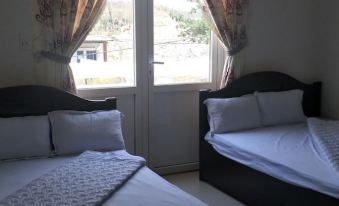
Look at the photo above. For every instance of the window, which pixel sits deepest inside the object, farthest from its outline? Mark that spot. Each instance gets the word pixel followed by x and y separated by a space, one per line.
pixel 91 55
pixel 80 55
pixel 105 59
pixel 181 42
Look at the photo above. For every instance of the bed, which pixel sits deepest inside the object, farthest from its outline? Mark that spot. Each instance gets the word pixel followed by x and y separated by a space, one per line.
pixel 144 187
pixel 259 166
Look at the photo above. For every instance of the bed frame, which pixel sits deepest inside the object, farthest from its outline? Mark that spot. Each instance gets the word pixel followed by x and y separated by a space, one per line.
pixel 39 100
pixel 246 184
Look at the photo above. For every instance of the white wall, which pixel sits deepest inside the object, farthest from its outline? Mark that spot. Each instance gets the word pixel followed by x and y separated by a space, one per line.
pixel 282 37
pixel 16 63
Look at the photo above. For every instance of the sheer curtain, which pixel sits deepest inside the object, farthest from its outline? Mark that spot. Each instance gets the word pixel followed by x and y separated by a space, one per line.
pixel 66 23
pixel 228 21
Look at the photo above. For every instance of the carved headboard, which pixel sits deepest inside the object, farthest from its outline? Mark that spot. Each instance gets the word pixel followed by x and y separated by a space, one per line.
pixel 39 100
pixel 263 82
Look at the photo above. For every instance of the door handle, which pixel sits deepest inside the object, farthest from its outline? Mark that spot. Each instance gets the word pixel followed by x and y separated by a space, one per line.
pixel 157 62
pixel 150 71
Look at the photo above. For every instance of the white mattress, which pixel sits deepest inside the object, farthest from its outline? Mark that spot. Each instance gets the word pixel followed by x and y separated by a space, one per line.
pixel 145 188
pixel 284 152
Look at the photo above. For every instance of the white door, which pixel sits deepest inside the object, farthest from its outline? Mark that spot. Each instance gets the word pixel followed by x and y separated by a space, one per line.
pixel 181 57
pixel 154 56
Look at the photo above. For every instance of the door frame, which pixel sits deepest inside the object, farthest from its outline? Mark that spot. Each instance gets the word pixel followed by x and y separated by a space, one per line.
pixel 144 76
pixel 215 56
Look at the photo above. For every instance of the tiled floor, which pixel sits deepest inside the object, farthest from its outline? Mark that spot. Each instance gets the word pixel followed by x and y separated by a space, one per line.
pixel 190 183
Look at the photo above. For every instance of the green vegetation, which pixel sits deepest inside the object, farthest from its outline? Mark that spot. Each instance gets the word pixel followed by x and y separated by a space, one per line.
pixel 192 26
pixel 194 30
pixel 117 19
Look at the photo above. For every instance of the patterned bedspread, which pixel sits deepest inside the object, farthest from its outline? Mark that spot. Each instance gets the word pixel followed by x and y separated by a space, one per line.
pixel 325 139
pixel 88 179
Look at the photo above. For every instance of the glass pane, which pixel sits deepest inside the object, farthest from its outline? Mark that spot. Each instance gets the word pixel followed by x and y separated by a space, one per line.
pixel 105 59
pixel 181 41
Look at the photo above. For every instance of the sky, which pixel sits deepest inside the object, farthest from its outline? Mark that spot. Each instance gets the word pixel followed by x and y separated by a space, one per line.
pixel 176 4
pixel 184 5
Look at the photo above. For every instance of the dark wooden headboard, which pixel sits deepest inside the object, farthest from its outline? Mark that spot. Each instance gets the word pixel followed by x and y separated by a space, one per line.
pixel 39 100
pixel 263 82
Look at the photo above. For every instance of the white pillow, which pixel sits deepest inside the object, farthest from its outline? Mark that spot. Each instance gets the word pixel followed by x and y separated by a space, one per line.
pixel 24 137
pixel 233 114
pixel 78 131
pixel 281 107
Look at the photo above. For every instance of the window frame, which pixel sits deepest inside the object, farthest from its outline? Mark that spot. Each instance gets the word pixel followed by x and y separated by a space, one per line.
pixel 216 64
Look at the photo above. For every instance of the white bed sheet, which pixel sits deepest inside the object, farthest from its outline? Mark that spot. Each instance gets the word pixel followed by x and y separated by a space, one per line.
pixel 145 188
pixel 284 152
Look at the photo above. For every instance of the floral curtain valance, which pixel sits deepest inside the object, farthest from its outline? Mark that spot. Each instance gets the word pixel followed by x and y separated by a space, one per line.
pixel 66 23
pixel 228 21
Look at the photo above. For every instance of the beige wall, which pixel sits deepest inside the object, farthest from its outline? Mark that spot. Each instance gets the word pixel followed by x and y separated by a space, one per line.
pixel 16 63
pixel 300 38
pixel 297 37
pixel 329 68
pixel 282 38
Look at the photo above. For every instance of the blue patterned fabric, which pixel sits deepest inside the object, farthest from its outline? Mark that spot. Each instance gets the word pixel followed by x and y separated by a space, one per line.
pixel 86 180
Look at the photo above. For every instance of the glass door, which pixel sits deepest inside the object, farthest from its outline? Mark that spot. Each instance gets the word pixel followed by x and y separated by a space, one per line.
pixel 180 65
pixel 181 43
pixel 154 56
pixel 106 57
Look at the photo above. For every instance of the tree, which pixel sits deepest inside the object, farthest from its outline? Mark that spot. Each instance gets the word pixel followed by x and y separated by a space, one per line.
pixel 192 27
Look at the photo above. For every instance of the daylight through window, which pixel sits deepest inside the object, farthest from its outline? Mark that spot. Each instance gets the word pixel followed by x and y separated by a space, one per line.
pixel 181 41
pixel 105 59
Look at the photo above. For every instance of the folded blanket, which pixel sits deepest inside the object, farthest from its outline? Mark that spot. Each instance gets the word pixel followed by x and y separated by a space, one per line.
pixel 325 139
pixel 86 180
